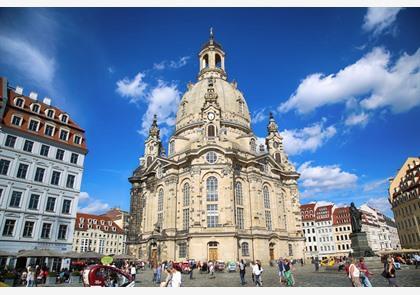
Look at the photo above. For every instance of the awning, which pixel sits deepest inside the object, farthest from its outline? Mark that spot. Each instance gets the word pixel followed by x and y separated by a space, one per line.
pixel 7 254
pixel 39 253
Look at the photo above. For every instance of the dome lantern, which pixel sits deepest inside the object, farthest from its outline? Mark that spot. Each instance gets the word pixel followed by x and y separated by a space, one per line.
pixel 212 59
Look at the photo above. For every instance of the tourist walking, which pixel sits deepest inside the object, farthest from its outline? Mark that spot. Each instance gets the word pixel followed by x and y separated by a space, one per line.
pixel 288 273
pixel 281 270
pixel 133 272
pixel 252 264
pixel 176 278
pixel 354 273
pixel 242 267
pixel 417 260
pixel 168 279
pixel 389 273
pixel 30 277
pixel 211 269
pixel 257 270
pixel 364 273
pixel 158 273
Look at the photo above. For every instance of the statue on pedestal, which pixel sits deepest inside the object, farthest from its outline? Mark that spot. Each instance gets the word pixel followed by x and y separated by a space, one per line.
pixel 356 219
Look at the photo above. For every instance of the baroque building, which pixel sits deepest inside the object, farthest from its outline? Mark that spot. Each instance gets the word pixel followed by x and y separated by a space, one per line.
pixel 404 197
pixel 216 194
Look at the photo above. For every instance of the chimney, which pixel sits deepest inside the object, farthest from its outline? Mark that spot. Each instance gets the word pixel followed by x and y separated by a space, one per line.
pixel 47 101
pixel 19 90
pixel 33 95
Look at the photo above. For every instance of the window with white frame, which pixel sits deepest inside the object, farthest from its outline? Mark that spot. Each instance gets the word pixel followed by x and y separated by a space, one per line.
pixel 15 199
pixel 64 118
pixel 16 120
pixel 101 246
pixel 9 227
pixel 212 215
pixel 62 232
pixel 238 193
pixel 172 148
pixel 49 130
pixel 50 113
pixel 19 102
pixel 46 230
pixel 77 139
pixel 84 245
pixel 160 200
pixel 28 229
pixel 186 194
pixel 212 194
pixel 33 125
pixel 211 157
pixel 35 108
pixel 182 250
pixel 64 134
pixel 4 166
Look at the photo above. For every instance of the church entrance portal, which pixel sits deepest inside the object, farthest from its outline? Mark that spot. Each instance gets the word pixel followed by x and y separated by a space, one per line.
pixel 212 251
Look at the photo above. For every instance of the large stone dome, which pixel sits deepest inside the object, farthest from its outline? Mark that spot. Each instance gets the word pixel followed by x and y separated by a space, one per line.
pixel 231 101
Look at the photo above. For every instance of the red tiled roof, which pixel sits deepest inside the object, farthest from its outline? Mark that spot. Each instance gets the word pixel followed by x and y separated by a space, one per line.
pixel 103 223
pixel 341 216
pixel 26 113
pixel 323 213
pixel 307 212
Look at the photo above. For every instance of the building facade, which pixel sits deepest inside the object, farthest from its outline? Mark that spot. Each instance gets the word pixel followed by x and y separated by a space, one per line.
pixel 121 218
pixel 310 231
pixel 404 197
pixel 216 194
pixel 99 234
pixel 342 230
pixel 324 227
pixel 41 167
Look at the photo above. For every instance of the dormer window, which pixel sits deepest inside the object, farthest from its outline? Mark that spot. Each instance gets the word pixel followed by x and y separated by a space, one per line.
pixel 50 113
pixel 19 102
pixel 211 131
pixel 81 220
pixel 35 108
pixel 77 139
pixel 94 221
pixel 105 228
pixel 109 222
pixel 64 118
pixel 17 120
pixel 102 222
pixel 49 130
pixel 113 228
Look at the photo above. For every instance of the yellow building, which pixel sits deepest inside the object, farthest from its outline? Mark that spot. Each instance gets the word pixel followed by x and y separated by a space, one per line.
pixel 404 196
pixel 217 194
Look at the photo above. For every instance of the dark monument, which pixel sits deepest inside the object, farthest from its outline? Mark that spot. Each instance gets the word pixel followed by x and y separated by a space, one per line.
pixel 358 238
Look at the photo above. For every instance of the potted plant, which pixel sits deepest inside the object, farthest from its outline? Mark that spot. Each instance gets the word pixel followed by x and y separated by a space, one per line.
pixel 9 278
pixel 75 277
pixel 51 278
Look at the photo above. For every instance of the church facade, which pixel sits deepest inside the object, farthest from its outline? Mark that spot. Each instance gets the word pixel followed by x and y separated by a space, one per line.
pixel 216 194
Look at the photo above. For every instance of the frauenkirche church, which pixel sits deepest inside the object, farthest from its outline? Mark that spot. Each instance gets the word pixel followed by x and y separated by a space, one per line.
pixel 216 195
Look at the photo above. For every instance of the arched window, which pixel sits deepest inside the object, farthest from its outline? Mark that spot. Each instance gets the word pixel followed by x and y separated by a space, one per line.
pixel 218 60
pixel 238 193
pixel 171 148
pixel 160 200
pixel 245 249
pixel 19 102
pixel 212 189
pixel 205 61
pixel 266 195
pixel 211 131
pixel 278 157
pixel 186 193
pixel 253 145
pixel 241 107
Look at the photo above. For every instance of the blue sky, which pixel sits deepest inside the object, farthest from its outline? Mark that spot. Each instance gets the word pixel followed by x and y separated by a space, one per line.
pixel 343 83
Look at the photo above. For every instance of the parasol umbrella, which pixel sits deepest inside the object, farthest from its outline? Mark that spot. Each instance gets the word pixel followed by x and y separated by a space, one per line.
pixel 39 253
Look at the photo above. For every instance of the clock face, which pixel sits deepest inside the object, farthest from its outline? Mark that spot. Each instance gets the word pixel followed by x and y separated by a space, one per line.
pixel 276 145
pixel 210 116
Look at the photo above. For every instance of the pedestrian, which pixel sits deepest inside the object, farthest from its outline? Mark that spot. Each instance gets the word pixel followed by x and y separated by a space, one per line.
pixel 288 273
pixel 364 273
pixel 133 271
pixel 23 277
pixel 211 269
pixel 389 273
pixel 257 271
pixel 192 266
pixel 417 260
pixel 168 279
pixel 37 274
pixel 176 278
pixel 154 268
pixel 281 270
pixel 30 277
pixel 158 273
pixel 252 264
pixel 242 267
pixel 301 262
pixel 354 273
pixel 316 263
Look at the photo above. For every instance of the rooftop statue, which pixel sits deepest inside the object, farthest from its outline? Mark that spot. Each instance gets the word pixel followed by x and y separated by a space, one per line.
pixel 356 219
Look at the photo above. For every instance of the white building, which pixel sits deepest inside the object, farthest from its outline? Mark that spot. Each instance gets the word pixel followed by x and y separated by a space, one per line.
pixel 41 166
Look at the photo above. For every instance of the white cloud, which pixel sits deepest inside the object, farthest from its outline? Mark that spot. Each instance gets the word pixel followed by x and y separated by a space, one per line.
pixel 259 116
pixel 29 60
pixel 378 19
pixel 91 205
pixel 133 89
pixel 317 179
pixel 110 70
pixel 375 185
pixel 357 119
pixel 372 79
pixel 173 64
pixel 310 138
pixel 163 101
pixel 380 203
